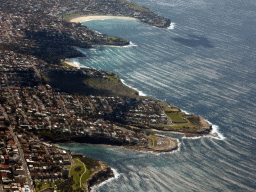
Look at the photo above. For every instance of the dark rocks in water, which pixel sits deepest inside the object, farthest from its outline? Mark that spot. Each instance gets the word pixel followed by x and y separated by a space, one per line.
pixel 99 177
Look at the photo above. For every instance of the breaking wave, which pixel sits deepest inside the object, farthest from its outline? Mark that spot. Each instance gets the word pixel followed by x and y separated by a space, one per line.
pixel 172 26
pixel 140 92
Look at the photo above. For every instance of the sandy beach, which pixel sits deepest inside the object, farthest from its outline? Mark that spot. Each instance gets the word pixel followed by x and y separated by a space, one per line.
pixel 98 17
pixel 67 61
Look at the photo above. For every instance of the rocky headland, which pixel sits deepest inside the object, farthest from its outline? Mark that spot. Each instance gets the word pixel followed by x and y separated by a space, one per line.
pixel 103 173
pixel 117 8
pixel 42 96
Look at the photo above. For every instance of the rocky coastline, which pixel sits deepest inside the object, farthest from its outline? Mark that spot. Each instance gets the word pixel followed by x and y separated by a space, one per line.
pixel 104 173
pixel 204 126
pixel 31 55
pixel 117 8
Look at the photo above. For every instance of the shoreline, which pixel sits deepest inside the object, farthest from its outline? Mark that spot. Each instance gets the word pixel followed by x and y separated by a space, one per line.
pixel 173 146
pixel 85 18
pixel 139 92
pixel 72 64
pixel 106 173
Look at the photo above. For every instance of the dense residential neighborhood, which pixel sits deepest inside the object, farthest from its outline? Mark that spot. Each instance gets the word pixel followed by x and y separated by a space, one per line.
pixel 31 109
pixel 45 101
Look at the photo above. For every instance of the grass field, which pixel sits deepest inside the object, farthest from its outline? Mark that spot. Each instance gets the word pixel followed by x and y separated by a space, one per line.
pixel 110 87
pixel 77 174
pixel 85 176
pixel 184 127
pixel 113 79
pixel 111 38
pixel 136 6
pixel 44 185
pixel 65 64
pixel 153 140
pixel 176 117
pixel 69 16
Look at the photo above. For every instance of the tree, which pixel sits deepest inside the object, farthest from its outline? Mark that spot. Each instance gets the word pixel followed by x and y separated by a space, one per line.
pixel 2 99
pixel 39 185
pixel 79 168
pixel 7 122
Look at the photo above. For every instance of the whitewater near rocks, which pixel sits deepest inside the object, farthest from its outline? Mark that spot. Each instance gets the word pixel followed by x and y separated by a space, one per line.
pixel 204 65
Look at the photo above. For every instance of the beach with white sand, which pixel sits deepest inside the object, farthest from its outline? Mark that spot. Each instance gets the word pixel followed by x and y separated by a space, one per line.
pixel 98 17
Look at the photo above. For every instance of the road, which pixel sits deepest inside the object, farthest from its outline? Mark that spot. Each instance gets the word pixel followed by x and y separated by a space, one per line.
pixel 24 163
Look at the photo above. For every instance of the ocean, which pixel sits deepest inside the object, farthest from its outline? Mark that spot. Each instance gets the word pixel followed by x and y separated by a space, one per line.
pixel 204 63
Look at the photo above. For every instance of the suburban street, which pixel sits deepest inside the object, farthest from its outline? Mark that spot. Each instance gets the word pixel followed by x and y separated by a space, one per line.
pixel 24 163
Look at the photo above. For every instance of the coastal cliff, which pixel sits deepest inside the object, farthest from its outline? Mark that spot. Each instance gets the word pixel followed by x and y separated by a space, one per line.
pixel 102 174
pixel 128 117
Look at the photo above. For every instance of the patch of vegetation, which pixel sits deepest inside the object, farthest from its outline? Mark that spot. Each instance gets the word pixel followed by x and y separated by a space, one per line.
pixel 185 127
pixel 39 186
pixel 113 87
pixel 180 127
pixel 66 65
pixel 78 169
pixel 52 135
pixel 116 39
pixel 153 140
pixel 66 185
pixel 194 119
pixel 113 79
pixel 7 122
pixel 136 6
pixel 3 99
pixel 86 176
pixel 89 163
pixel 153 136
pixel 46 78
pixel 71 15
pixel 173 109
pixel 76 172
pixel 176 117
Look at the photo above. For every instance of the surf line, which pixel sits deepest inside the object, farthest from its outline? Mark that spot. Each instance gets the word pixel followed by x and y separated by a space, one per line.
pixel 172 26
pixel 116 176
pixel 140 92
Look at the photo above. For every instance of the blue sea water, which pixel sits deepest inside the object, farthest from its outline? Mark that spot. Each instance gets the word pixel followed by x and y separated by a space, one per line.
pixel 204 64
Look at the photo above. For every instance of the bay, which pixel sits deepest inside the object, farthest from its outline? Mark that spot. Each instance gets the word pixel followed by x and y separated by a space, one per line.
pixel 204 64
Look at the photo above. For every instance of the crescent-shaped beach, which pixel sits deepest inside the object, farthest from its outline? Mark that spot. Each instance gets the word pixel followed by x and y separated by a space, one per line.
pixel 98 17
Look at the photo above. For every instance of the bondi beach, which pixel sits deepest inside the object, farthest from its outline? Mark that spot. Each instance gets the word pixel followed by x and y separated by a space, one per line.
pixel 98 17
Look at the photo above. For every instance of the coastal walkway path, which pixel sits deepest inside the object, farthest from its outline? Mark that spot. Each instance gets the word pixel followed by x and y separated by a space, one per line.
pixel 82 174
pixel 76 176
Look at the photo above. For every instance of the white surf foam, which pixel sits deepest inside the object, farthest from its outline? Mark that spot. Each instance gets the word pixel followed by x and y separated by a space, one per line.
pixel 126 46
pixel 215 133
pixel 77 63
pixel 172 26
pixel 187 113
pixel 215 130
pixel 177 150
pixel 98 32
pixel 116 175
pixel 140 92
pixel 131 45
pixel 198 137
